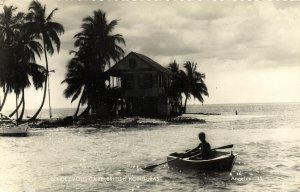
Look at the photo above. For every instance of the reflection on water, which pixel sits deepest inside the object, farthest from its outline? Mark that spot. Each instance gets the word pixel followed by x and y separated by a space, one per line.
pixel 89 159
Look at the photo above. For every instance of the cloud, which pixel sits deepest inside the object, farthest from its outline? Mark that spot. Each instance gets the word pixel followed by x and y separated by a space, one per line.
pixel 162 43
pixel 204 10
pixel 219 36
pixel 222 31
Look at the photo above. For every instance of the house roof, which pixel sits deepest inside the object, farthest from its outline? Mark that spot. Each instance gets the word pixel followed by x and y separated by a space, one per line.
pixel 144 58
pixel 152 63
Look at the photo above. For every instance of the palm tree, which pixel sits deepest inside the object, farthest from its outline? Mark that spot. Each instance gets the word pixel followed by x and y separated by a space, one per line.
pixel 47 30
pixel 26 48
pixel 173 92
pixel 4 71
pixel 18 55
pixel 6 67
pixel 77 79
pixel 97 41
pixel 188 83
pixel 97 46
pixel 9 24
pixel 195 85
pixel 177 87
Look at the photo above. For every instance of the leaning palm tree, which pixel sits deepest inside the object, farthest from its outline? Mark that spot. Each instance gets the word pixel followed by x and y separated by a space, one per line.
pixel 195 83
pixel 97 46
pixel 48 31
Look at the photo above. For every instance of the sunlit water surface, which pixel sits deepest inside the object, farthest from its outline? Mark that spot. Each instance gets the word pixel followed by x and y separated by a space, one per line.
pixel 266 138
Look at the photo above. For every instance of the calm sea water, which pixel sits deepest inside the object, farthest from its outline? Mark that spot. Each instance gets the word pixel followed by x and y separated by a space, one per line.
pixel 266 138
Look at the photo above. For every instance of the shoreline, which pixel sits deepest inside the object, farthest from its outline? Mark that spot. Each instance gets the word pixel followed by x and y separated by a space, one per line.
pixel 124 122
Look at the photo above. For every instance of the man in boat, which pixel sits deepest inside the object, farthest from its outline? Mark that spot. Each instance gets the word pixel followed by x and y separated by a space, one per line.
pixel 203 149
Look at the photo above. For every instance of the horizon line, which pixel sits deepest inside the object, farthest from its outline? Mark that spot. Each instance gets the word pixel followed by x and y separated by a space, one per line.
pixel 281 102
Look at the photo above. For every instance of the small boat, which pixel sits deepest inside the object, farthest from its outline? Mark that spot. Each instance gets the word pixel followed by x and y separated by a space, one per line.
pixel 16 130
pixel 220 161
pixel 9 127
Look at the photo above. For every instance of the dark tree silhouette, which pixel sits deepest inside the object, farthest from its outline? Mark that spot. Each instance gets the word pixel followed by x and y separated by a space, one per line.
pixel 97 46
pixel 9 24
pixel 18 58
pixel 195 85
pixel 188 82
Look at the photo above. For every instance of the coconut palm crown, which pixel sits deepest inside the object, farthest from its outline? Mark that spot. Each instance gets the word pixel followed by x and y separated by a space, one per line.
pixel 96 40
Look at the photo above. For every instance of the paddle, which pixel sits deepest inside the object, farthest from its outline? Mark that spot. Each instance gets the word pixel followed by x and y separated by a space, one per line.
pixel 156 165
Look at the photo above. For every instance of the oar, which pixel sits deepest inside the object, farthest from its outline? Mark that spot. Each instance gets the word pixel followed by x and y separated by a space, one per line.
pixel 156 165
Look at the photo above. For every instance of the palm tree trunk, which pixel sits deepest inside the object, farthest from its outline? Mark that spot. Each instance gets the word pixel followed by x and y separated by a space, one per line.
pixel 181 101
pixel 50 110
pixel 78 106
pixel 181 106
pixel 185 104
pixel 45 87
pixel 86 111
pixel 14 112
pixel 77 110
pixel 23 106
pixel 17 106
pixel 43 101
pixel 4 99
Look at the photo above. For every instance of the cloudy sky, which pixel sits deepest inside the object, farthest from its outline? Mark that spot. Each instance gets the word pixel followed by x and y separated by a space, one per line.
pixel 249 51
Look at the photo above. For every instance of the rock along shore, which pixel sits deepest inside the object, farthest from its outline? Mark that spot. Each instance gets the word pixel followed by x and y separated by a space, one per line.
pixel 106 123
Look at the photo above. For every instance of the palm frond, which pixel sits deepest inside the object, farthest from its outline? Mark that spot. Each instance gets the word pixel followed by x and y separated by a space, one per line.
pixel 38 74
pixel 54 38
pixel 56 27
pixel 49 18
pixel 48 44
pixel 76 95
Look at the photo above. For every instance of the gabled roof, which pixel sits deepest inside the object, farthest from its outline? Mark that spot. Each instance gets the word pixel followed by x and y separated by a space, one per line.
pixel 145 59
pixel 152 63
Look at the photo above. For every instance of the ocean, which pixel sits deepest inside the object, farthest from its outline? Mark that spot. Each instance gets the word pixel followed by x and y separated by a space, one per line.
pixel 266 139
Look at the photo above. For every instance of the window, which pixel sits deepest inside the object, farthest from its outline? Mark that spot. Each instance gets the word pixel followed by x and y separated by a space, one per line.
pixel 132 63
pixel 128 81
pixel 145 80
pixel 160 81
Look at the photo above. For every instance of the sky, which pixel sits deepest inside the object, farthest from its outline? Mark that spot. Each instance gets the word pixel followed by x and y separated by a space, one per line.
pixel 249 51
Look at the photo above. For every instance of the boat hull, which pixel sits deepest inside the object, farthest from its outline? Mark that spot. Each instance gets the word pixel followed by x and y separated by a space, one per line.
pixel 221 161
pixel 20 130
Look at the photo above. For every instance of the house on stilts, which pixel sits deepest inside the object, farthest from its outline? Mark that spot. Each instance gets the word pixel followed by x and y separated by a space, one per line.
pixel 143 83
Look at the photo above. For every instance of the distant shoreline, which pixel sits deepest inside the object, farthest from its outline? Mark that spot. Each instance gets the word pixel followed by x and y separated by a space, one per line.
pixel 207 104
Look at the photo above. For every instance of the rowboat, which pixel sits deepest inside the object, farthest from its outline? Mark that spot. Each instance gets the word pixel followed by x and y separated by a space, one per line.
pixel 220 161
pixel 9 127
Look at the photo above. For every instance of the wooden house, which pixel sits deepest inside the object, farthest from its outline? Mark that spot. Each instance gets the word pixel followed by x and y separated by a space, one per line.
pixel 143 84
